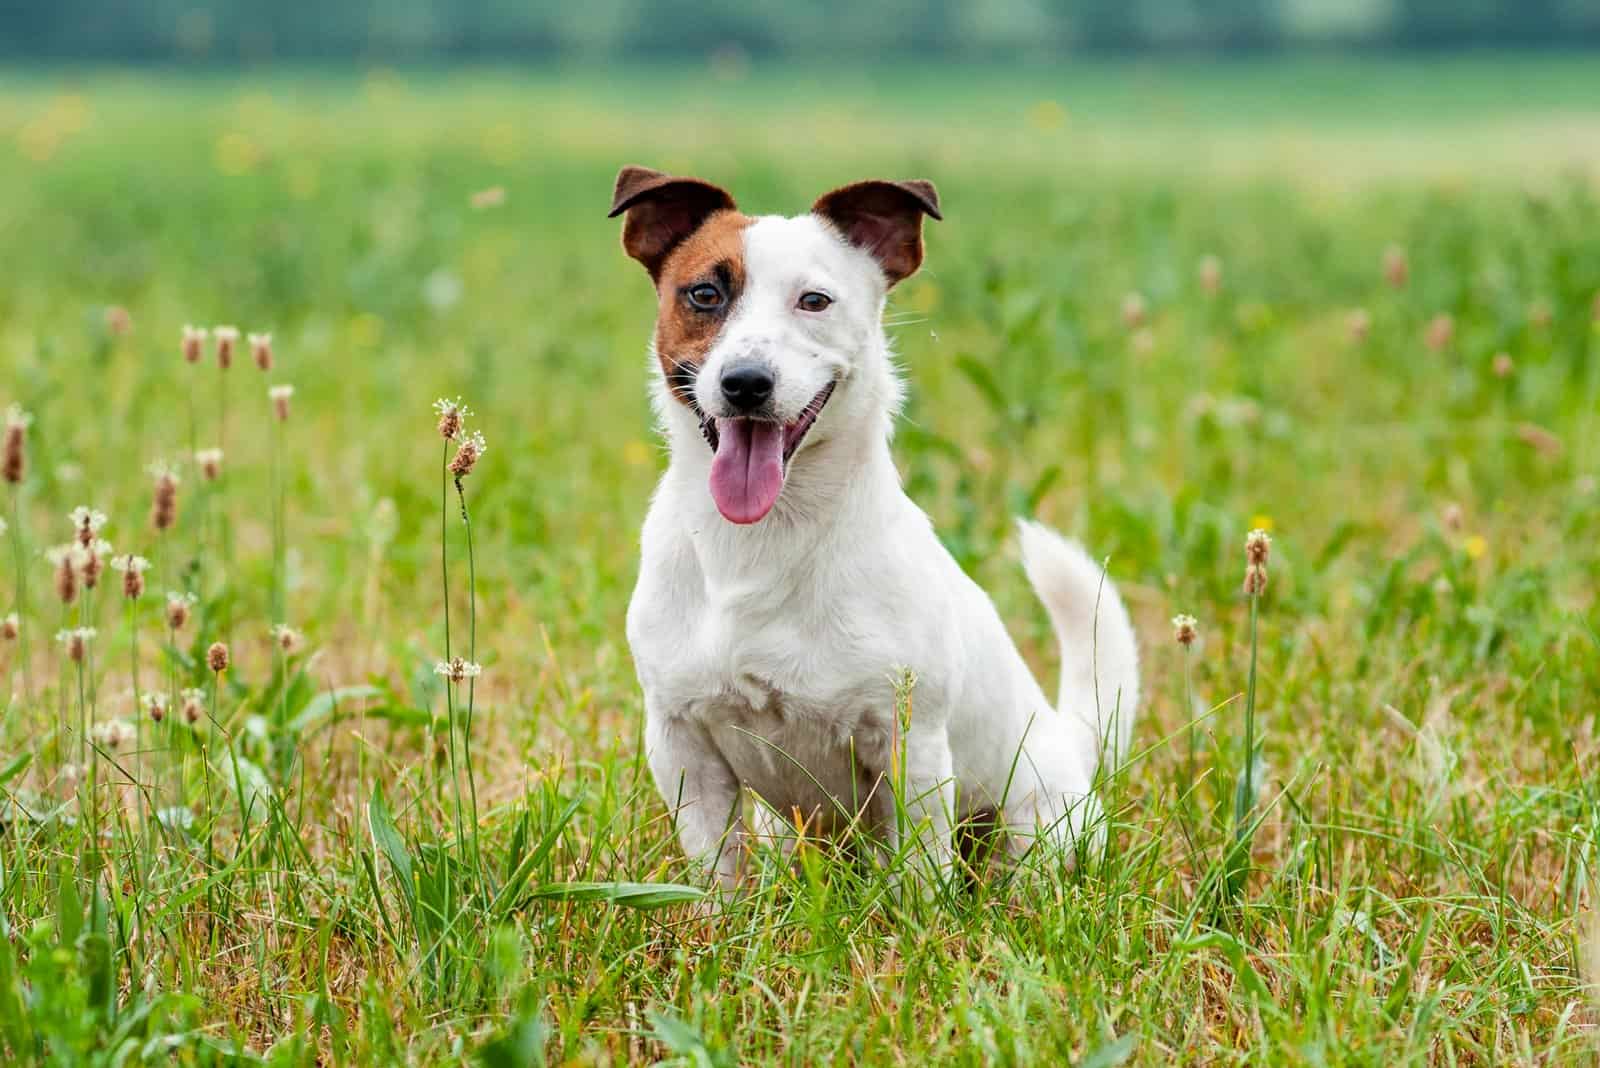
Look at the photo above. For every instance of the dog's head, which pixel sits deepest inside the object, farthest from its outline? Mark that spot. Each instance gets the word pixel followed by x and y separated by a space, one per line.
pixel 762 321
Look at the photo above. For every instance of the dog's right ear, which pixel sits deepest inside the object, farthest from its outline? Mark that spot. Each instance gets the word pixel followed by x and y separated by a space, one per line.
pixel 662 211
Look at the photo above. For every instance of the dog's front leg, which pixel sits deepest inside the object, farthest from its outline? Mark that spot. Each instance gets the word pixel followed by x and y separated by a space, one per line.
pixel 701 791
pixel 923 802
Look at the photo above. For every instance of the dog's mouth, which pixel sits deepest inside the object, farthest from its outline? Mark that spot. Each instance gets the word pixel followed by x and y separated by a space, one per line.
pixel 752 458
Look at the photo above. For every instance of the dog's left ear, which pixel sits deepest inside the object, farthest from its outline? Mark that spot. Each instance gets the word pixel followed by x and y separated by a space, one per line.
pixel 662 211
pixel 883 219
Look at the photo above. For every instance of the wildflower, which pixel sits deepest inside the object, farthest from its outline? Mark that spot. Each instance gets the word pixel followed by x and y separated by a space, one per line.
pixel 1359 325
pixel 1210 275
pixel 164 503
pixel 75 641
pixel 194 341
pixel 1184 630
pixel 113 734
pixel 178 607
pixel 67 560
pixel 133 569
pixel 118 321
pixel 1441 329
pixel 1476 546
pixel 1502 365
pixel 1396 268
pixel 192 705
pixel 1257 547
pixel 458 670
pixel 94 560
pixel 210 461
pixel 86 523
pixel 10 627
pixel 261 350
pixel 217 657
pixel 279 395
pixel 287 638
pixel 1133 310
pixel 1452 517
pixel 467 452
pixel 452 416
pixel 14 463
pixel 155 706
pixel 227 337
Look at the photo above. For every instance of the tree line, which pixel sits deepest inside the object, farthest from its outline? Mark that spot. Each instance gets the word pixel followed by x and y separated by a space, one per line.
pixel 251 30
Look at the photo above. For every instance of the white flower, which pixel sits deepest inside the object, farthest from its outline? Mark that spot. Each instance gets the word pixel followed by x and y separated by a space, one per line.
pixel 193 705
pixel 113 734
pixel 74 641
pixel 286 638
pixel 129 562
pixel 71 555
pixel 85 518
pixel 16 417
pixel 210 461
pixel 444 406
pixel 155 706
pixel 452 416
pixel 280 393
pixel 458 670
pixel 160 470
pixel 71 552
pixel 225 333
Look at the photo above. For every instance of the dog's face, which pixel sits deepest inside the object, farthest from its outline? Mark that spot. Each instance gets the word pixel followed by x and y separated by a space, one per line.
pixel 762 321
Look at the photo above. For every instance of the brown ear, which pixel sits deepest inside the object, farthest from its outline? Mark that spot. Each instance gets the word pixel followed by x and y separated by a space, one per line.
pixel 662 211
pixel 884 219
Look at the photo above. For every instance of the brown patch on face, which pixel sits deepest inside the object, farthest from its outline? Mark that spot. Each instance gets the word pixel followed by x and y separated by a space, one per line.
pixel 711 256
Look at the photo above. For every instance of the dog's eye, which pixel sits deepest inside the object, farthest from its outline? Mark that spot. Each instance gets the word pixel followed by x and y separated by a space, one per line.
pixel 814 301
pixel 705 296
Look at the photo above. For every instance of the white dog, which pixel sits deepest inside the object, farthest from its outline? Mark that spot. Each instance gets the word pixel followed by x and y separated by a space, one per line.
pixel 788 584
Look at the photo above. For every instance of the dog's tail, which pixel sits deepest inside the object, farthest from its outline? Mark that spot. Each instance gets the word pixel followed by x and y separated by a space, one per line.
pixel 1099 654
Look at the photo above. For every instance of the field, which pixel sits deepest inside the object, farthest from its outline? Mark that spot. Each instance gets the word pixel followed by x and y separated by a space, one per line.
pixel 1368 321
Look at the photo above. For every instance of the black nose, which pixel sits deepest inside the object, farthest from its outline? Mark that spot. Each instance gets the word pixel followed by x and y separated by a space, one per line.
pixel 747 386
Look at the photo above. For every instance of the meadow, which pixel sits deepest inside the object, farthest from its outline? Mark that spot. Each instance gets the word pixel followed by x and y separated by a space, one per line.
pixel 1354 304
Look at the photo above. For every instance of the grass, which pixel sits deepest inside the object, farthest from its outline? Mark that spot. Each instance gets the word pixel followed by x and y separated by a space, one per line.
pixel 1421 855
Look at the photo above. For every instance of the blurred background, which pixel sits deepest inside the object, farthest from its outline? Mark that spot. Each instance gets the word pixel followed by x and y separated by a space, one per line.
pixel 1043 30
pixel 411 197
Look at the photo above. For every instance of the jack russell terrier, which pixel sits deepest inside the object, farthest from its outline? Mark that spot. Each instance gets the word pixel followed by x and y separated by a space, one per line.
pixel 789 587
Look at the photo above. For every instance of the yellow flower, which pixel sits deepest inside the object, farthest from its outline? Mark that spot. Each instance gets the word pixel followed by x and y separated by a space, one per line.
pixel 1262 522
pixel 1047 115
pixel 1475 546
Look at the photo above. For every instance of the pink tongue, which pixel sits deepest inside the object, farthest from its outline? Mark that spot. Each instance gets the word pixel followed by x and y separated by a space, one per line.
pixel 747 473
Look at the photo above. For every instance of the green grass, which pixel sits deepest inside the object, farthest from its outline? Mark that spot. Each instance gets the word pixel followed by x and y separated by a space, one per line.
pixel 1421 885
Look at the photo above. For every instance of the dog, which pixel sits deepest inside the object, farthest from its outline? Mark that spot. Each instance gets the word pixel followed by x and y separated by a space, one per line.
pixel 789 589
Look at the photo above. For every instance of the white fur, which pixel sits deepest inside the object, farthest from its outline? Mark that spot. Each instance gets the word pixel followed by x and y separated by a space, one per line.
pixel 768 653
